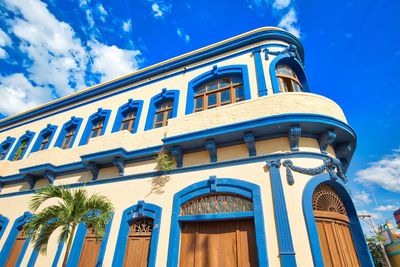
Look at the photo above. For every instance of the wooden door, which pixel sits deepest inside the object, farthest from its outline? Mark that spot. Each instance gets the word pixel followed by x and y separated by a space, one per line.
pixel 90 250
pixel 333 227
pixel 138 244
pixel 230 243
pixel 16 250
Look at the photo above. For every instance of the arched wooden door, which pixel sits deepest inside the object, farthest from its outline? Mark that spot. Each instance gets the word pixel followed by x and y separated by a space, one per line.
pixel 334 232
pixel 219 243
pixel 90 250
pixel 138 244
pixel 16 249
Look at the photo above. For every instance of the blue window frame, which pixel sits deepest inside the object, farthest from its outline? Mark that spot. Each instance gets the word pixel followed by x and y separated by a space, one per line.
pixel 214 185
pixel 96 125
pixel 44 138
pixel 128 116
pixel 356 231
pixel 156 107
pixel 218 73
pixel 3 224
pixel 22 146
pixel 296 67
pixel 68 133
pixel 135 212
pixel 5 147
pixel 16 228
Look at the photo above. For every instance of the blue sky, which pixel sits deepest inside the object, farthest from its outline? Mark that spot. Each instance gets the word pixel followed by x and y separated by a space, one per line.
pixel 49 49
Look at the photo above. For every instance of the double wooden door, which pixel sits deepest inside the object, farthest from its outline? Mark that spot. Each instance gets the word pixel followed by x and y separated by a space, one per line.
pixel 16 250
pixel 90 250
pixel 137 250
pixel 230 243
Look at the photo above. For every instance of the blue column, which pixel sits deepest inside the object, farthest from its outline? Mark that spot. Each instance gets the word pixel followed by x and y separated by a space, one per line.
pixel 286 250
pixel 262 86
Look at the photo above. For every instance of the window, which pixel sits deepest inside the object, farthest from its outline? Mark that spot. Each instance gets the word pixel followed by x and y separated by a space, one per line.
pixel 163 113
pixel 218 93
pixel 3 154
pixel 288 80
pixel 96 130
pixel 21 151
pixel 44 143
pixel 128 121
pixel 68 138
pixel 5 147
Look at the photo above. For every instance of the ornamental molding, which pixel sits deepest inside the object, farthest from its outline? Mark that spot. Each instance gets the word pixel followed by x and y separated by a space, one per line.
pixel 332 166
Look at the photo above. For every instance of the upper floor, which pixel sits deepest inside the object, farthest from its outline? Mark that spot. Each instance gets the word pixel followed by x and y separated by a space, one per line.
pixel 252 83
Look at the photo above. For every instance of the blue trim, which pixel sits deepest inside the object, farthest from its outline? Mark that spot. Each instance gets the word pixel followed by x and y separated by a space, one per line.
pixel 32 259
pixel 128 107
pixel 17 226
pixel 73 122
pixel 134 212
pixel 3 224
pixel 101 114
pixel 235 186
pixel 161 69
pixel 79 239
pixel 358 237
pixel 165 95
pixel 6 145
pixel 58 254
pixel 286 249
pixel 49 130
pixel 296 67
pixel 262 86
pixel 28 136
pixel 215 74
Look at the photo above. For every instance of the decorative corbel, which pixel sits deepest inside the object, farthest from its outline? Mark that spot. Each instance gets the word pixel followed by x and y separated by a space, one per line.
pixel 177 152
pixel 212 180
pixel 325 139
pixel 212 150
pixel 250 143
pixel 30 179
pixel 120 165
pixel 164 93
pixel 93 169
pixel 294 137
pixel 341 151
pixel 49 176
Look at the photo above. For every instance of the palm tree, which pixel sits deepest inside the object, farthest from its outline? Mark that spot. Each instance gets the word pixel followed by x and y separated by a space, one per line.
pixel 74 206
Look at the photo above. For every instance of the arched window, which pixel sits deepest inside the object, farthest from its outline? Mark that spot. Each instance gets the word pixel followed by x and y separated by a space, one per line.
pixel 21 146
pixel 96 125
pixel 218 93
pixel 288 81
pixel 68 133
pixel 128 116
pixel 163 113
pixel 44 138
pixel 163 106
pixel 333 227
pixel 5 147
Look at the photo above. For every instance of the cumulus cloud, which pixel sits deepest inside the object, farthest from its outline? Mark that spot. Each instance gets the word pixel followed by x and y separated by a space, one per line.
pixel 362 198
pixel 127 25
pixel 160 9
pixel 183 35
pixel 384 173
pixel 288 22
pixel 111 61
pixel 281 4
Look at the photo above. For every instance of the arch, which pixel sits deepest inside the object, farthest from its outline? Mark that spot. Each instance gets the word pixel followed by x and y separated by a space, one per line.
pixel 12 236
pixel 130 106
pixel 215 74
pixel 355 227
pixel 138 211
pixel 5 146
pixel 46 132
pixel 165 95
pixel 294 64
pixel 101 114
pixel 220 185
pixel 79 239
pixel 27 137
pixel 69 125
pixel 3 224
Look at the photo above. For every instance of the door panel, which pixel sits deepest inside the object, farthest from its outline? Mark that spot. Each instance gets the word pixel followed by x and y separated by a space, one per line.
pixel 90 252
pixel 16 250
pixel 229 243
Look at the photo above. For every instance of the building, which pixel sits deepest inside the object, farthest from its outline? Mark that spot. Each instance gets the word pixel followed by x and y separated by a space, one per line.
pixel 259 164
pixel 392 240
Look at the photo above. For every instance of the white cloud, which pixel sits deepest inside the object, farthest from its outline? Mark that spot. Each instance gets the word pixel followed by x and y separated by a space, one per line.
pixel 281 4
pixel 386 208
pixel 288 23
pixel 102 10
pixel 18 94
pixel 183 35
pixel 111 61
pixel 5 40
pixel 362 198
pixel 127 25
pixel 89 17
pixel 160 9
pixel 3 53
pixel 384 173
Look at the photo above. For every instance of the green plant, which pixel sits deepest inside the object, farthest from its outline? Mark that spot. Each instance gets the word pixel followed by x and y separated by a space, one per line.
pixel 375 249
pixel 20 150
pixel 74 206
pixel 165 161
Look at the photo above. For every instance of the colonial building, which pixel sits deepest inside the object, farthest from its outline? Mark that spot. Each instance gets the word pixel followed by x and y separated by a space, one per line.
pixel 258 175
